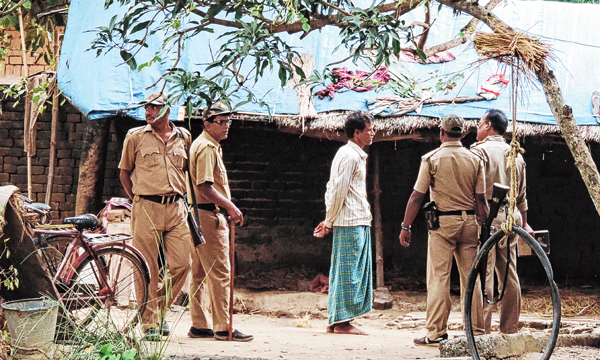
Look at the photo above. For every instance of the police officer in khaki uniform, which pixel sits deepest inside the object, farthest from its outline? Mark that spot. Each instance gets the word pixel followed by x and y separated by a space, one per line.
pixel 455 178
pixel 152 172
pixel 492 148
pixel 210 262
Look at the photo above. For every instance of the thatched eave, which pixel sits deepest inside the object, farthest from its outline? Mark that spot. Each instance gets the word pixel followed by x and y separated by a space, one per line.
pixel 331 126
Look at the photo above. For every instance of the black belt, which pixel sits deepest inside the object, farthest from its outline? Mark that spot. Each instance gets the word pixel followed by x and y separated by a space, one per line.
pixel 212 207
pixel 162 199
pixel 456 212
pixel 207 207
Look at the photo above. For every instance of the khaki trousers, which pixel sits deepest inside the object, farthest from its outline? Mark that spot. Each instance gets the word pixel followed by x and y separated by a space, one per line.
pixel 211 273
pixel 510 305
pixel 154 225
pixel 456 237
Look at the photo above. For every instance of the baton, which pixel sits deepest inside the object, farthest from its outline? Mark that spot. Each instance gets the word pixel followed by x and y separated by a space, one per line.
pixel 232 273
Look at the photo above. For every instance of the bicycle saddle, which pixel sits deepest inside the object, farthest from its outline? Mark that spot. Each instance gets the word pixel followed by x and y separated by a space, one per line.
pixel 83 222
pixel 40 206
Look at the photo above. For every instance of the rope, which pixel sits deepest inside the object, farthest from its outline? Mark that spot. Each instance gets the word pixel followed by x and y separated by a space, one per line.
pixel 512 154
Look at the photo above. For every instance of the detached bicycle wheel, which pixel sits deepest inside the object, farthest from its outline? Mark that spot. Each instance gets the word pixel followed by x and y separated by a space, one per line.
pixel 473 275
pixel 96 309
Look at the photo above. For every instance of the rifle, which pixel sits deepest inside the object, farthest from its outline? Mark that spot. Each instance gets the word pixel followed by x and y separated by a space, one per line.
pixel 498 195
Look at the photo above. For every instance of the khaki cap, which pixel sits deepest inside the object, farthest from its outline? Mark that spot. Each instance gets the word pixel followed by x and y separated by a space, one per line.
pixel 453 124
pixel 156 98
pixel 216 109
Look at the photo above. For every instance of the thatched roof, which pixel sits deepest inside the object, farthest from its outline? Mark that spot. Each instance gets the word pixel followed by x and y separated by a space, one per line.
pixel 330 125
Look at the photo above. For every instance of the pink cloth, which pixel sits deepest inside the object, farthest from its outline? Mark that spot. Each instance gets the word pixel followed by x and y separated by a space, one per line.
pixel 357 81
pixel 440 57
pixel 112 204
pixel 320 284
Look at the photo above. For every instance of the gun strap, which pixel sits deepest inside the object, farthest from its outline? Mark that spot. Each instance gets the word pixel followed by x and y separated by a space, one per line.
pixel 192 192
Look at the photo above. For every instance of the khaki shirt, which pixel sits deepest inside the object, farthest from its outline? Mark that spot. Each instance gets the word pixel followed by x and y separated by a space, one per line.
pixel 157 168
pixel 453 174
pixel 207 165
pixel 491 151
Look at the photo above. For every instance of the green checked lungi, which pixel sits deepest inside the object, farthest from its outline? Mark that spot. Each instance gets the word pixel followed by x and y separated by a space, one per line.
pixel 350 277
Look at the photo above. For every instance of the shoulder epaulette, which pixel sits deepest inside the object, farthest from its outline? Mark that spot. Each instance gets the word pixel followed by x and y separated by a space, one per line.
pixel 477 152
pixel 185 131
pixel 136 129
pixel 430 154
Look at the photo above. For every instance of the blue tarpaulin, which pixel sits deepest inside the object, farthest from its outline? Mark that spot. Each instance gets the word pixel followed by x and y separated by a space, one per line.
pixel 101 86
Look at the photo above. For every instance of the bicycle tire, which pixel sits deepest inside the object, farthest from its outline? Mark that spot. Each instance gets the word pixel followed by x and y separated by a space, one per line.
pixel 91 315
pixel 473 275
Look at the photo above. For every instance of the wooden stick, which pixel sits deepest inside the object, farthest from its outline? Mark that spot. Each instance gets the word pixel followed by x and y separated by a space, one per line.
pixel 379 281
pixel 232 274
pixel 54 129
pixel 25 74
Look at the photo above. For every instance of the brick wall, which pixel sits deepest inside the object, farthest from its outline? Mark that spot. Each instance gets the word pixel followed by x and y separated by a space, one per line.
pixel 13 65
pixel 13 160
pixel 278 180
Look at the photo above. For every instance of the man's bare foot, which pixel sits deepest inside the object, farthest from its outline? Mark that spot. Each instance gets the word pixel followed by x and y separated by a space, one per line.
pixel 330 329
pixel 347 328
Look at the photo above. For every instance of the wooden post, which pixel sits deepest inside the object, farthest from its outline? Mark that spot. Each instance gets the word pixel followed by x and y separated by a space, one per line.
pixel 25 74
pixel 91 166
pixel 382 299
pixel 54 129
pixel 377 220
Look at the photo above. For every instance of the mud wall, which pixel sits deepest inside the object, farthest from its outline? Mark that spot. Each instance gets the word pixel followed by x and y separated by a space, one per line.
pixel 278 180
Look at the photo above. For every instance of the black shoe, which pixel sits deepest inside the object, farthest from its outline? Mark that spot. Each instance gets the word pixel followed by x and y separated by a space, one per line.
pixel 426 341
pixel 237 336
pixel 164 328
pixel 152 334
pixel 201 333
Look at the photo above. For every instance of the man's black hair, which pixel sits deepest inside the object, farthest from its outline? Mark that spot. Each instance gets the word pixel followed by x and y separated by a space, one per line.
pixel 452 135
pixel 498 120
pixel 357 120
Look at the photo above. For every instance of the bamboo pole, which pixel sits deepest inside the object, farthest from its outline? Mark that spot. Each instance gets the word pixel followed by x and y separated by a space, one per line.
pixel 55 109
pixel 379 283
pixel 25 74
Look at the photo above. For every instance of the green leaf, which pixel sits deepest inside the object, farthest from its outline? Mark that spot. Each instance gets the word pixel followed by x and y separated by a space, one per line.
pixel 422 55
pixel 27 5
pixel 36 99
pixel 306 27
pixel 140 26
pixel 299 71
pixel 282 75
pixel 129 59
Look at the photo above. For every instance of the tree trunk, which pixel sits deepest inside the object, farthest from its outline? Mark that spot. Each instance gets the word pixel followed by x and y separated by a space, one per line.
pixel 92 166
pixel 562 112
pixel 570 132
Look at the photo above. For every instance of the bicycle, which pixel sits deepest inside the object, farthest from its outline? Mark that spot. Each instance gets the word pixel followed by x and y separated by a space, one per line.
pixel 96 273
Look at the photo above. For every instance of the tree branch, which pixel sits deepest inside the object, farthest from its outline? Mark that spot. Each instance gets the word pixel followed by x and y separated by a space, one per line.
pixel 467 30
pixel 335 7
pixel 13 9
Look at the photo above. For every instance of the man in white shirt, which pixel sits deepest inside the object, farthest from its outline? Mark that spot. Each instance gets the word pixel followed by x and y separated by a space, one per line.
pixel 349 216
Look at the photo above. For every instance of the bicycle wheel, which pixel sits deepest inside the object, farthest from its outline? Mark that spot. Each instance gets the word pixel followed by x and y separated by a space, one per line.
pixel 94 309
pixel 473 275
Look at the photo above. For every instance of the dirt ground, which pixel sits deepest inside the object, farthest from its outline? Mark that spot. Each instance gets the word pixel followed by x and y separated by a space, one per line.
pixel 291 325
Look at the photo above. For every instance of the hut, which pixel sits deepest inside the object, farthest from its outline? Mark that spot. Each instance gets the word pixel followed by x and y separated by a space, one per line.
pixel 279 163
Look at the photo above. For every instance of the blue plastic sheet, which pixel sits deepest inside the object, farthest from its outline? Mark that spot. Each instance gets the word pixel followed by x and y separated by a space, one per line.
pixel 101 86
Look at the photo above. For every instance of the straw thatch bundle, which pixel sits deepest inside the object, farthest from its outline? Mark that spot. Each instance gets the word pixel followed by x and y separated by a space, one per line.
pixel 513 48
